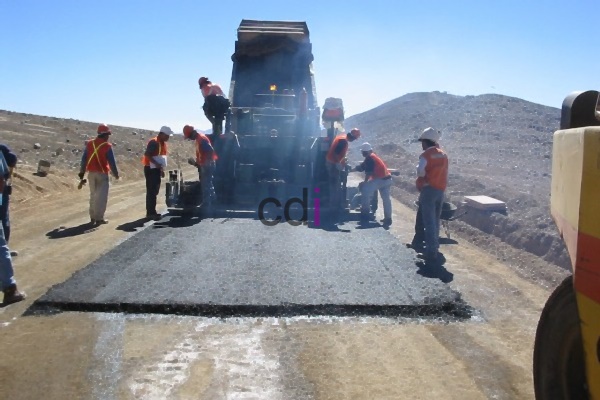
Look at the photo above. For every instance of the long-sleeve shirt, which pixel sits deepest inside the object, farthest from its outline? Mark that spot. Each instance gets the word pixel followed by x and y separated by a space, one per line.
pixel 110 157
pixel 421 167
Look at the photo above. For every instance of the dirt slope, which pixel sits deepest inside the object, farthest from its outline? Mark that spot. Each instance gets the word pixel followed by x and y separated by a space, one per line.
pixel 498 146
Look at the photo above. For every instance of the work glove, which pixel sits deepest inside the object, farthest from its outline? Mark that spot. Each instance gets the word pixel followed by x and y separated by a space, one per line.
pixel 81 175
pixel 191 161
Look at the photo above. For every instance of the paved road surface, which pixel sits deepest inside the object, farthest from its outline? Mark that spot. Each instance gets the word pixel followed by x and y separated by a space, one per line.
pixel 116 355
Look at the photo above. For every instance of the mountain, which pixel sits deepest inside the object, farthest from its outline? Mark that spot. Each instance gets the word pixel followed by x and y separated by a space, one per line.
pixel 498 146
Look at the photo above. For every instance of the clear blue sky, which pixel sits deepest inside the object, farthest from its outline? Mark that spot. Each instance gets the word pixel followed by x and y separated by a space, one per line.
pixel 136 63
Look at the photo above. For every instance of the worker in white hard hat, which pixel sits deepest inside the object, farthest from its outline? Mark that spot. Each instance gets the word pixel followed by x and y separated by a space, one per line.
pixel 377 178
pixel 432 180
pixel 155 163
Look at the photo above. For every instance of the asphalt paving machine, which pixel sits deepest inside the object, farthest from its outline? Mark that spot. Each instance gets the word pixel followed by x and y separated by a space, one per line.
pixel 566 360
pixel 273 146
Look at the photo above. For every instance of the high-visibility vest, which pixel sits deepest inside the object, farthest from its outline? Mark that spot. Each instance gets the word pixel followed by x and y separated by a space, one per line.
pixel 339 157
pixel 380 169
pixel 436 169
pixel 211 88
pixel 96 155
pixel 203 156
pixel 162 151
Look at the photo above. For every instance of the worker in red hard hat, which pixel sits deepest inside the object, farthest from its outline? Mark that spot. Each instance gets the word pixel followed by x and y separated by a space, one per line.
pixel 216 105
pixel 336 166
pixel 377 179
pixel 205 161
pixel 98 161
pixel 155 163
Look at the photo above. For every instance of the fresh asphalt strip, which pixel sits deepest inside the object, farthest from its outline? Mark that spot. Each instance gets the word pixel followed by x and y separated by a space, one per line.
pixel 225 267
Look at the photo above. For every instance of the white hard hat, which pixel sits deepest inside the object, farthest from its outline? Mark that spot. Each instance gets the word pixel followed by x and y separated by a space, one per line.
pixel 166 130
pixel 365 147
pixel 430 134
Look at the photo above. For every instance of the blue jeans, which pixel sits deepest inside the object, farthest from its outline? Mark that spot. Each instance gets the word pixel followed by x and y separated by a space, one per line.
pixel 4 216
pixel 430 206
pixel 207 173
pixel 6 269
pixel 370 188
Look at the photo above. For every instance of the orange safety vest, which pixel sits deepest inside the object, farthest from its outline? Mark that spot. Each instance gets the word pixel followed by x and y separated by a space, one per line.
pixel 211 88
pixel 162 151
pixel 380 170
pixel 332 157
pixel 203 156
pixel 436 169
pixel 96 155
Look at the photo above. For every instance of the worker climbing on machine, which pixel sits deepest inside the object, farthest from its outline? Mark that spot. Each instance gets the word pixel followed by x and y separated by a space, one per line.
pixel 432 179
pixel 336 165
pixel 216 105
pixel 377 179
pixel 155 162
pixel 205 161
pixel 98 160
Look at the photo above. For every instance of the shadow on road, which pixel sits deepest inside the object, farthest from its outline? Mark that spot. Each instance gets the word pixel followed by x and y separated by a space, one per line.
pixel 447 241
pixel 133 225
pixel 435 269
pixel 62 232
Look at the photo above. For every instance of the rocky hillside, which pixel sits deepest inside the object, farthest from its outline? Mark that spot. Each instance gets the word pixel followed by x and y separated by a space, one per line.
pixel 61 141
pixel 498 146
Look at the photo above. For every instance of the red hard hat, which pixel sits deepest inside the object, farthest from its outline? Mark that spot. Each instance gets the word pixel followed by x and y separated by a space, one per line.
pixel 103 128
pixel 202 80
pixel 187 131
pixel 355 133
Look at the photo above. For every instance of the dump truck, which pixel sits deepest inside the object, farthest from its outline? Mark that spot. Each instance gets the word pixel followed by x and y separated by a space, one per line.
pixel 566 362
pixel 273 146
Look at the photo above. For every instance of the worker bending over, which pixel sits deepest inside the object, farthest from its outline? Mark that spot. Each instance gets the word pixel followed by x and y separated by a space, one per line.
pixel 377 178
pixel 216 105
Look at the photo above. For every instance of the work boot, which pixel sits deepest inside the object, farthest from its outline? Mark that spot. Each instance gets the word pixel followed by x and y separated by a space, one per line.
pixel 14 253
pixel 386 221
pixel 101 221
pixel 12 295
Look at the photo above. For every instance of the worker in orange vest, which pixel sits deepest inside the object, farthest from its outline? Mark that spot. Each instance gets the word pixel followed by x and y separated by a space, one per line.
pixel 336 165
pixel 155 163
pixel 432 180
pixel 377 179
pixel 216 105
pixel 205 161
pixel 98 161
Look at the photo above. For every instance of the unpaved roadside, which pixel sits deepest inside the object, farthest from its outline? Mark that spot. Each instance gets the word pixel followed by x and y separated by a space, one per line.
pixel 79 355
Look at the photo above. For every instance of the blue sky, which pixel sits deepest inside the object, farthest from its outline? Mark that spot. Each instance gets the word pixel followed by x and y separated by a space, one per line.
pixel 136 63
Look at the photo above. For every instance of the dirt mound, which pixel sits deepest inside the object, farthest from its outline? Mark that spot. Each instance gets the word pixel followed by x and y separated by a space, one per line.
pixel 498 146
pixel 61 142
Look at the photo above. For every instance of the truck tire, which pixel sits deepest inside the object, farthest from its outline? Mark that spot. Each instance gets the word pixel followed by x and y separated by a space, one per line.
pixel 558 358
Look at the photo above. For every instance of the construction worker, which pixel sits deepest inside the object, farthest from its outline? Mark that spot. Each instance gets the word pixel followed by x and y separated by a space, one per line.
pixel 216 105
pixel 8 284
pixel 11 161
pixel 377 178
pixel 98 160
pixel 155 163
pixel 205 161
pixel 432 179
pixel 336 165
